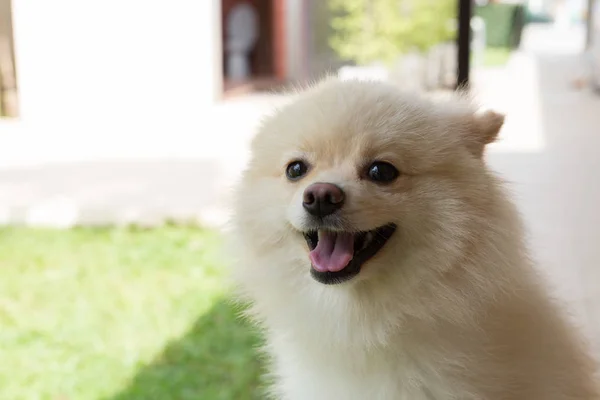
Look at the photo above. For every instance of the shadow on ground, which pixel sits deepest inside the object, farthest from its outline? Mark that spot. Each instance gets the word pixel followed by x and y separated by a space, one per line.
pixel 215 360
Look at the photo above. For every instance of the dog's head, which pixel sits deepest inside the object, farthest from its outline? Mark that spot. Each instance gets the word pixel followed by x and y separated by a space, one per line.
pixel 353 180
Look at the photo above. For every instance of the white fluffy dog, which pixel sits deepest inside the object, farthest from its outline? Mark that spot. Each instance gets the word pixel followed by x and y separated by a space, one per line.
pixel 385 261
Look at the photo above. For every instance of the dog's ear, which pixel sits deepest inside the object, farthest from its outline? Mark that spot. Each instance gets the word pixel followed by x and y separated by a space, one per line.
pixel 483 129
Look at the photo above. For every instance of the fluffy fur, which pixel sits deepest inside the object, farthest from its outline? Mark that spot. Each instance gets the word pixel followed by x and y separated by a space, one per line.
pixel 450 308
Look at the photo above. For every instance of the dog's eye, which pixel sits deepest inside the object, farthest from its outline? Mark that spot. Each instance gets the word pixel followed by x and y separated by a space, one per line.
pixel 296 170
pixel 382 172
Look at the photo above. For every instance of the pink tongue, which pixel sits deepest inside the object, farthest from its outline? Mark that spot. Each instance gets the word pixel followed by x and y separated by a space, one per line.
pixel 334 251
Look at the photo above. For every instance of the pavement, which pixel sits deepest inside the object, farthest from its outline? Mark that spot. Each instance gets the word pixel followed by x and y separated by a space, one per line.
pixel 65 173
pixel 548 155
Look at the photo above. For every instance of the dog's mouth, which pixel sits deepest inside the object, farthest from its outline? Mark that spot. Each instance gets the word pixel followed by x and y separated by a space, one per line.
pixel 338 256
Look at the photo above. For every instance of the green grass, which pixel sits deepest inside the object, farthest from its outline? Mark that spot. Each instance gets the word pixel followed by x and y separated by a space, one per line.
pixel 120 314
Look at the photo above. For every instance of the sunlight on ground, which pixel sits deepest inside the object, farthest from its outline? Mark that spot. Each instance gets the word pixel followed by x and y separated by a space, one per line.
pixel 120 314
pixel 514 90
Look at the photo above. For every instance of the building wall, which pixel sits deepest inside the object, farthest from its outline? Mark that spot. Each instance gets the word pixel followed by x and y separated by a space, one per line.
pixel 594 45
pixel 322 59
pixel 294 22
pixel 8 97
pixel 279 38
pixel 119 59
pixel 6 30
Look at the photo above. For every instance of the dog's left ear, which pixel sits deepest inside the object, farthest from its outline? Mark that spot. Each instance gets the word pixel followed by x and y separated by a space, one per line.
pixel 483 129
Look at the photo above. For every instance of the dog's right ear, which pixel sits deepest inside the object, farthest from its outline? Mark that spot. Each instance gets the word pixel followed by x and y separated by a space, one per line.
pixel 483 129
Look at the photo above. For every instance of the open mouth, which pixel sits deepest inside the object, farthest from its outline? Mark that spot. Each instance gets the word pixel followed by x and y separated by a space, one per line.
pixel 338 256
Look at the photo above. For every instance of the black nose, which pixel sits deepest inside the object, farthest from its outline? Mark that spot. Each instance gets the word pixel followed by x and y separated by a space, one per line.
pixel 322 199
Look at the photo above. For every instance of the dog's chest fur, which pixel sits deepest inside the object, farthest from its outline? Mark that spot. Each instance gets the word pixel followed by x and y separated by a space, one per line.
pixel 322 370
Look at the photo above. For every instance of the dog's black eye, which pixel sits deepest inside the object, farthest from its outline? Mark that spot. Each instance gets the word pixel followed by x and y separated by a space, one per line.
pixel 382 172
pixel 296 170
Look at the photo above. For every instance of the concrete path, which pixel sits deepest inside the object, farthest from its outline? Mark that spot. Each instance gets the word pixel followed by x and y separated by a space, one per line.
pixel 63 173
pixel 548 154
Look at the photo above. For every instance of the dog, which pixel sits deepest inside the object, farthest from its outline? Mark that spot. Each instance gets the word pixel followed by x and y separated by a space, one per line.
pixel 384 260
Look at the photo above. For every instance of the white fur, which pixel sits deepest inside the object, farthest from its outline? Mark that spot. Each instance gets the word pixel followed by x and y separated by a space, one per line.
pixel 450 308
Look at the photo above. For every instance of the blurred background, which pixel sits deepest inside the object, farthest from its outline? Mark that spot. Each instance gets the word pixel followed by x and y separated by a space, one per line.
pixel 125 122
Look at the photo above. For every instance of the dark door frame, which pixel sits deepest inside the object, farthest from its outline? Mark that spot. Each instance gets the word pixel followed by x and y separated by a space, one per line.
pixel 465 11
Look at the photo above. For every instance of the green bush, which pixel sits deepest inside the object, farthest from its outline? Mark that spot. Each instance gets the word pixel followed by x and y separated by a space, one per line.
pixel 365 31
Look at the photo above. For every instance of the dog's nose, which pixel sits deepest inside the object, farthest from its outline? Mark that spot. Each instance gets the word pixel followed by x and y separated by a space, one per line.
pixel 322 199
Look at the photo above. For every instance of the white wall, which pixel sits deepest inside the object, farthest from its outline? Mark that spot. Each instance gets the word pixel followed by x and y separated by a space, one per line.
pixel 294 42
pixel 118 59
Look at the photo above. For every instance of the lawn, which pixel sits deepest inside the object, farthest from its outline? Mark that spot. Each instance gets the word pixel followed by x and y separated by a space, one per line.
pixel 120 314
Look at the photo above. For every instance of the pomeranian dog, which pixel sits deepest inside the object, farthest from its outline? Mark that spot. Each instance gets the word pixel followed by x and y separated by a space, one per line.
pixel 385 261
